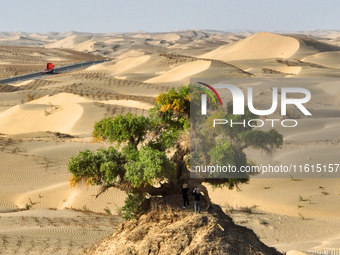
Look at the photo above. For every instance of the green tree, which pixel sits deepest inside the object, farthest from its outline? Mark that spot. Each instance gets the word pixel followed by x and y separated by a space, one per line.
pixel 121 129
pixel 152 153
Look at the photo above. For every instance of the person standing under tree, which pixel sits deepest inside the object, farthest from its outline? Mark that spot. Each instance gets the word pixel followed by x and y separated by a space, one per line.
pixel 197 203
pixel 185 195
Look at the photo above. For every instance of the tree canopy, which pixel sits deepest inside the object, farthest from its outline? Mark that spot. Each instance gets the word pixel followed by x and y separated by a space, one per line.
pixel 151 155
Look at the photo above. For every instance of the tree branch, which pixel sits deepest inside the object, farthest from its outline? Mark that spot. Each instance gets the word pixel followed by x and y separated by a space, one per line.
pixel 103 189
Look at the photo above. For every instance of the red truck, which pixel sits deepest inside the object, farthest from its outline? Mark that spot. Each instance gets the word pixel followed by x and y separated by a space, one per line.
pixel 49 69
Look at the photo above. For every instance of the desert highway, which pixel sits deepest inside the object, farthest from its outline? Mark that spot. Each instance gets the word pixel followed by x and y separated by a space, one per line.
pixel 61 69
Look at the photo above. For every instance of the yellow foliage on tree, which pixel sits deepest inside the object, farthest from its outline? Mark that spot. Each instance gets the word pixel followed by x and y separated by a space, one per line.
pixel 175 100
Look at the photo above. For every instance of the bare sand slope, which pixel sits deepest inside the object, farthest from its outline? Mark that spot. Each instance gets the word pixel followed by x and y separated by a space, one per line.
pixel 88 45
pixel 259 46
pixel 122 66
pixel 182 72
pixel 57 113
pixel 306 57
pixel 69 42
pixel 34 175
pixel 328 59
pixel 35 156
pixel 147 68
pixel 23 41
pixel 34 112
pixel 166 69
pixel 167 36
pixel 52 232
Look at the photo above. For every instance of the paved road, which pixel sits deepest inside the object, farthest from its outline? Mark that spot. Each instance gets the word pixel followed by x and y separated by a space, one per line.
pixel 62 69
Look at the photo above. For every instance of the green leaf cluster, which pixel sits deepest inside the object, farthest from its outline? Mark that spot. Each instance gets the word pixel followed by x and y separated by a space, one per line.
pixel 150 167
pixel 128 128
pixel 99 167
pixel 135 205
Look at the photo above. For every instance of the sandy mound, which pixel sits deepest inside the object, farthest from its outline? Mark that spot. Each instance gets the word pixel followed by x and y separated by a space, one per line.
pixel 69 42
pixel 182 72
pixel 174 232
pixel 121 66
pixel 85 46
pixel 259 46
pixel 64 113
pixel 167 37
pixel 47 111
pixel 328 59
pixel 131 53
pixel 22 41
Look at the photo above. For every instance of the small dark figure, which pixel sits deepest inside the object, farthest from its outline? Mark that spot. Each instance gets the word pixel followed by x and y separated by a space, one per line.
pixel 197 203
pixel 185 195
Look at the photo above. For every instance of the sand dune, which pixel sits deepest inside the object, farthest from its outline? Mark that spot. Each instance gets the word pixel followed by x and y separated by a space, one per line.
pixel 308 72
pixel 328 59
pixel 69 42
pixel 182 72
pixel 77 114
pixel 23 41
pixel 85 46
pixel 48 116
pixel 167 37
pixel 258 46
pixel 122 66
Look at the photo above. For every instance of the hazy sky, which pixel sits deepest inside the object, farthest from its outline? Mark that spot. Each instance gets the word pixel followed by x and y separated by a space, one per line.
pixel 172 15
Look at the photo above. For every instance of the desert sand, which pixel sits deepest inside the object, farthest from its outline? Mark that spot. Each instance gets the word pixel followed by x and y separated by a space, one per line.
pixel 44 122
